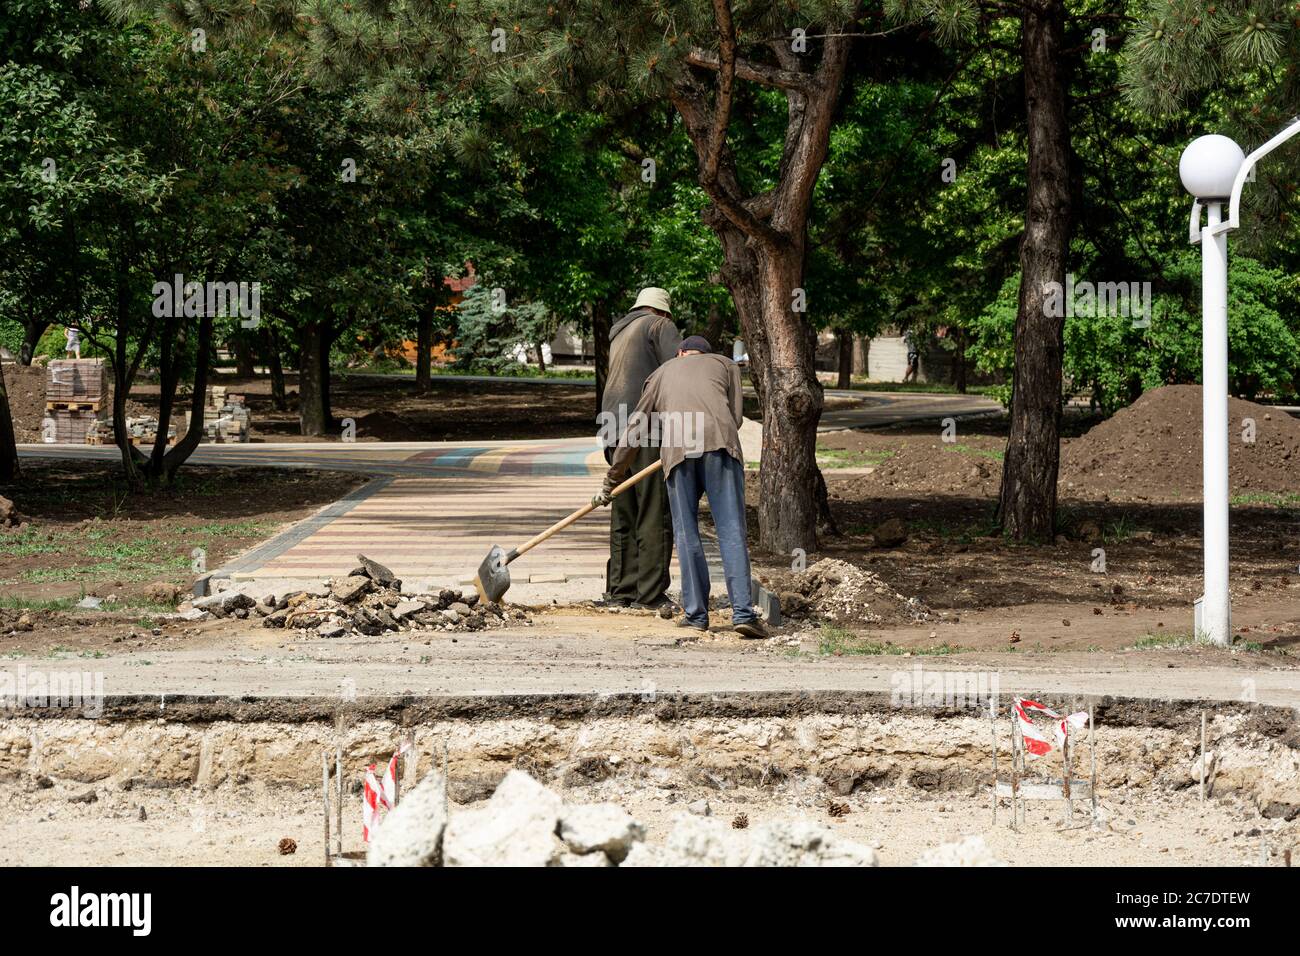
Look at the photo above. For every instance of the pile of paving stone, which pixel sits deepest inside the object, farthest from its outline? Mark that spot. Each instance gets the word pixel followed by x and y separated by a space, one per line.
pixel 369 601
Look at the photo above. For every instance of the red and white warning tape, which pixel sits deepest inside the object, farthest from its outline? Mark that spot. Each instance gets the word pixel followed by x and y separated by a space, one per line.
pixel 1036 743
pixel 379 796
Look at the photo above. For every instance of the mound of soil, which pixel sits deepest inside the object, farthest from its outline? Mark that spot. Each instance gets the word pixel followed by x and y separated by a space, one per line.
pixel 26 386
pixel 386 426
pixel 841 593
pixel 1153 448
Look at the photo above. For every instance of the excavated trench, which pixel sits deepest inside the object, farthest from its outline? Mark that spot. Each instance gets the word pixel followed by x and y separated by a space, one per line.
pixel 850 743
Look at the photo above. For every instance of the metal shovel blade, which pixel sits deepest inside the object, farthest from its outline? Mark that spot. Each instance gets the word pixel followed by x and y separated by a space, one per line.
pixel 493 578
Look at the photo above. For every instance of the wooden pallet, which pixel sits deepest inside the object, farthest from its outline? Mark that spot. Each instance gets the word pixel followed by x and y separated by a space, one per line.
pixel 70 406
pixel 138 442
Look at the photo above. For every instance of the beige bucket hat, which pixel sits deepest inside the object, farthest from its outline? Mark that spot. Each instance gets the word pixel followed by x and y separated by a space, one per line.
pixel 655 298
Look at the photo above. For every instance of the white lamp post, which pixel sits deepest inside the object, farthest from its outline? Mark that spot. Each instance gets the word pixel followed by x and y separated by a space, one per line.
pixel 1213 169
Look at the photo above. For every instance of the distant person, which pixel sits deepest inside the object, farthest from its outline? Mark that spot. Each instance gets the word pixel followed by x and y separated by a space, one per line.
pixel 72 342
pixel 701 392
pixel 640 532
pixel 913 357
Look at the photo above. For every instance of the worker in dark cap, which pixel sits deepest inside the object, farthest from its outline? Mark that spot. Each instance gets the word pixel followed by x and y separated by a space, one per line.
pixel 640 532
pixel 694 402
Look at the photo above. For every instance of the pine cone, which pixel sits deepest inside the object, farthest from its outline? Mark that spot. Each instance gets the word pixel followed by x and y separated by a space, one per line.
pixel 838 809
pixel 740 822
pixel 288 846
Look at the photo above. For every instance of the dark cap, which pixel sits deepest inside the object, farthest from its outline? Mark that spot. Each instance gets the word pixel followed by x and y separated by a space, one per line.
pixel 695 343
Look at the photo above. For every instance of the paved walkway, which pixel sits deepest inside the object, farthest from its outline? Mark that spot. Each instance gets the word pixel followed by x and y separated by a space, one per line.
pixel 436 508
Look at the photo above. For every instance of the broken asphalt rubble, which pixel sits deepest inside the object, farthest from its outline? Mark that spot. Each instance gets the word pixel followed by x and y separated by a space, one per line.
pixel 367 601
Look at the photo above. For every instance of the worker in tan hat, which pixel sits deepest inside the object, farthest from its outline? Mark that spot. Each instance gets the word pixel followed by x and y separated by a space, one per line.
pixel 640 527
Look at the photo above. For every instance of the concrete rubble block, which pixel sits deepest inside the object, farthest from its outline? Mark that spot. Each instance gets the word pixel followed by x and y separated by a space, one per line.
pixel 584 859
pixel 604 827
pixel 223 602
pixel 377 573
pixel 411 835
pixel 971 851
pixel 702 841
pixel 276 618
pixel 404 609
pixel 802 843
pixel 516 827
pixel 331 630
pixel 693 841
pixel 350 588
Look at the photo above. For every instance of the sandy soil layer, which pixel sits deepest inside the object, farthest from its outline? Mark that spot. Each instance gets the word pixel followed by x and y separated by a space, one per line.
pixel 244 826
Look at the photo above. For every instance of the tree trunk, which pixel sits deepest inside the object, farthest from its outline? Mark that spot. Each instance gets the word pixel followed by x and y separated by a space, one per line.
pixel 32 331
pixel 713 330
pixel 541 358
pixel 423 348
pixel 243 348
pixel 271 343
pixel 782 348
pixel 959 361
pixel 600 325
pixel 789 479
pixel 312 417
pixel 183 448
pixel 861 351
pixel 844 338
pixel 168 377
pixel 1027 504
pixel 8 445
pixel 327 336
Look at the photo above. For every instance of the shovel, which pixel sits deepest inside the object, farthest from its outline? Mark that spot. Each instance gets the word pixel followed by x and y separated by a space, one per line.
pixel 493 578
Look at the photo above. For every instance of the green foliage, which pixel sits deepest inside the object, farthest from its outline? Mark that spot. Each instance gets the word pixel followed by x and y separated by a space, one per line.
pixel 1114 360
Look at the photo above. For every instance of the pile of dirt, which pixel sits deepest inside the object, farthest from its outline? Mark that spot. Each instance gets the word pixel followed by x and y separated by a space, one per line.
pixel 837 592
pixel 1153 448
pixel 368 601
pixel 26 387
pixel 386 426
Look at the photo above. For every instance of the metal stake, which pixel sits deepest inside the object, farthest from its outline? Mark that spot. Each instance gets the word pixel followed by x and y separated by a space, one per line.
pixel 993 732
pixel 325 798
pixel 1202 756
pixel 1092 746
pixel 1015 771
pixel 338 810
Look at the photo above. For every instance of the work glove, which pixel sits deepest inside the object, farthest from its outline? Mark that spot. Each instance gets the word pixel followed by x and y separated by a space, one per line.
pixel 605 496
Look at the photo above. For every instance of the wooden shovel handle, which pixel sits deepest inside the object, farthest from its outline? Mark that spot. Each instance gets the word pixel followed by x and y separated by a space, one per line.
pixel 585 510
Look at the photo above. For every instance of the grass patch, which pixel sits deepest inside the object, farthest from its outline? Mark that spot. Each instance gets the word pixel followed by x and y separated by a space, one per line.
pixel 1149 642
pixel 37 604
pixel 933 388
pixel 1268 499
pixel 839 642
pixel 846 458
pixel 992 454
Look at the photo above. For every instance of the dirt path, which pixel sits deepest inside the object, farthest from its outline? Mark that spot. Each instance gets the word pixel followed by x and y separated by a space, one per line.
pixel 603 654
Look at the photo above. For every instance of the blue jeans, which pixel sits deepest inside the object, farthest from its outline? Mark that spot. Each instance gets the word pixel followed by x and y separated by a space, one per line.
pixel 722 478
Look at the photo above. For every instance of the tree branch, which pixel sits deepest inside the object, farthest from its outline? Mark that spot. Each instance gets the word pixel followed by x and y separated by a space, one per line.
pixel 753 72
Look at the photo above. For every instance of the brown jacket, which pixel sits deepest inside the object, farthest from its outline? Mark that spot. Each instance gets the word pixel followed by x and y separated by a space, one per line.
pixel 639 343
pixel 696 402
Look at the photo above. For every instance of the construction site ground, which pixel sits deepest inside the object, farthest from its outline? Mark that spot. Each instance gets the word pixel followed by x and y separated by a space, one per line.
pixel 1046 619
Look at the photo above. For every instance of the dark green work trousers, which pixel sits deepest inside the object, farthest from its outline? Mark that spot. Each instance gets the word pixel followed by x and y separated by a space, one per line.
pixel 640 537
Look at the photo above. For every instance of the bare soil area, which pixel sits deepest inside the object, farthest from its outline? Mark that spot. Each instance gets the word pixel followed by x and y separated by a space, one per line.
pixel 384 408
pixel 1128 564
pixel 85 533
